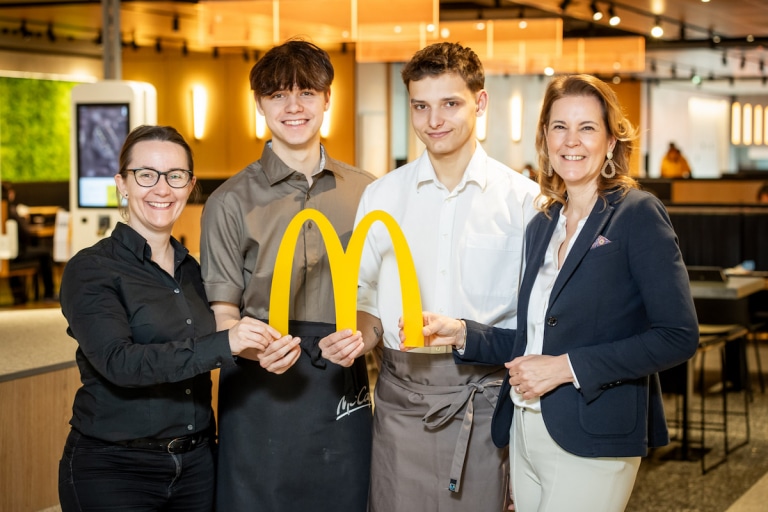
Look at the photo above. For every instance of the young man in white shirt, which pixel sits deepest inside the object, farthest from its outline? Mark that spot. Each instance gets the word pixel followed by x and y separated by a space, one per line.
pixel 464 217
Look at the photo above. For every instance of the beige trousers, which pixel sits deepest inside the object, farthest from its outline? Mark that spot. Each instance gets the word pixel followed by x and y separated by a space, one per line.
pixel 546 478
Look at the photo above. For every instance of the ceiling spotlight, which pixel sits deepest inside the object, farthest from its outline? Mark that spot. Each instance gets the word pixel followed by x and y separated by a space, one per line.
pixel 215 52
pixel 724 59
pixel 24 31
pixel 682 30
pixel 521 19
pixel 175 24
pixel 99 38
pixel 49 33
pixel 653 66
pixel 657 31
pixel 184 48
pixel 246 56
pixel 564 5
pixel 614 18
pixel 597 14
pixel 743 61
pixel 134 44
pixel 673 71
pixel 158 45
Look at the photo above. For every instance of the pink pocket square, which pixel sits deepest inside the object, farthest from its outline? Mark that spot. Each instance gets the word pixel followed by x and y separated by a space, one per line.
pixel 601 240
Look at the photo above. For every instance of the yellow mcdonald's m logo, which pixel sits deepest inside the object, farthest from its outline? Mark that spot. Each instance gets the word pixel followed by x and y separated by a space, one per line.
pixel 345 269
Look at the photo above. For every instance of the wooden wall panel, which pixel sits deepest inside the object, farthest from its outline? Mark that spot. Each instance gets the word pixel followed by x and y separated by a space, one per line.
pixel 229 142
pixel 33 427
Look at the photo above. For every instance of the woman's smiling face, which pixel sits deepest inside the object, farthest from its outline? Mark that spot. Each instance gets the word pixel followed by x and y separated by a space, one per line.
pixel 578 139
pixel 153 210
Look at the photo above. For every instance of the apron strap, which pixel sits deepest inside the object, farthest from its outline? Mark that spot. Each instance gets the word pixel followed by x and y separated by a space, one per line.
pixel 446 409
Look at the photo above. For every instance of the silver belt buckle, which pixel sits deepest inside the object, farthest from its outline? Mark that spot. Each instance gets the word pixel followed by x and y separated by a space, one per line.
pixel 179 445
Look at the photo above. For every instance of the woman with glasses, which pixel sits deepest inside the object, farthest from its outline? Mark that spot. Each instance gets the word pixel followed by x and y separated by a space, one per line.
pixel 142 422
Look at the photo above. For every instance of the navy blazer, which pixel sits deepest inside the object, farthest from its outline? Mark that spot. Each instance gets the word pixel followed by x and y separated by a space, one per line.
pixel 622 310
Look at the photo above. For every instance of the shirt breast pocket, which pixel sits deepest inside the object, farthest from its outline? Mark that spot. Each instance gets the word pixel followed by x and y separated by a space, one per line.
pixel 490 265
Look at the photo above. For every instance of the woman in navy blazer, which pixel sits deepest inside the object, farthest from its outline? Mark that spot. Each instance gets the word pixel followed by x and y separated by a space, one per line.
pixel 604 305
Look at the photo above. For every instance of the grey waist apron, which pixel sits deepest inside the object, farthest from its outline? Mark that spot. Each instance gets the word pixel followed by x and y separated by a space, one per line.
pixel 432 445
pixel 297 441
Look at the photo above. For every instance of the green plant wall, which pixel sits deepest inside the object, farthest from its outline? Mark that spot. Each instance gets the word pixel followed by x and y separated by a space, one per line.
pixel 35 123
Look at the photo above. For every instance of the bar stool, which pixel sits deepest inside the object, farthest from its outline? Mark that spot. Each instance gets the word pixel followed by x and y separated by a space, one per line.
pixel 711 338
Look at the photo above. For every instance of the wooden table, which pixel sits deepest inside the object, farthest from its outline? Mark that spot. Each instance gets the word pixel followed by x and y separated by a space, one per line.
pixel 734 288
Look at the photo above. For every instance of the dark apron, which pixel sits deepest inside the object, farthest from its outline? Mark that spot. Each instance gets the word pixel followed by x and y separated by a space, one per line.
pixel 298 441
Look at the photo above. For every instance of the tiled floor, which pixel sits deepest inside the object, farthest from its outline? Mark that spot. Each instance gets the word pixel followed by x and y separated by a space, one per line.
pixel 740 484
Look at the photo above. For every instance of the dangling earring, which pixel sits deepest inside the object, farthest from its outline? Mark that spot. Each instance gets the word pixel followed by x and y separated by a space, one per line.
pixel 608 163
pixel 549 171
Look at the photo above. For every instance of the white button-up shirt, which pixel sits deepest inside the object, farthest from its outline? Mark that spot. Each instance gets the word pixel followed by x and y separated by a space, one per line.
pixel 466 243
pixel 539 300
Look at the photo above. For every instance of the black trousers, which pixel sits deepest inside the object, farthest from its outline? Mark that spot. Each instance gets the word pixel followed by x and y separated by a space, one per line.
pixel 97 475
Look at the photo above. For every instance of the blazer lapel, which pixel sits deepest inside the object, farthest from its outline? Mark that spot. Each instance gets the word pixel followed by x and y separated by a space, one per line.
pixel 598 218
pixel 537 242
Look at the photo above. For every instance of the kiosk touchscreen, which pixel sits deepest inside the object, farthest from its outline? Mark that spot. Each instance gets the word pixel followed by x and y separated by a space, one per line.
pixel 102 115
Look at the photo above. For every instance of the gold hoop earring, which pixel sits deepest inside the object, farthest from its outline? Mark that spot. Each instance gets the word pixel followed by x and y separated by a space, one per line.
pixel 608 163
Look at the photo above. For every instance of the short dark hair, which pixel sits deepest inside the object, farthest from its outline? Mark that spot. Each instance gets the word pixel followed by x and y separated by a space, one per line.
pixel 148 132
pixel 160 133
pixel 295 63
pixel 763 191
pixel 7 189
pixel 441 58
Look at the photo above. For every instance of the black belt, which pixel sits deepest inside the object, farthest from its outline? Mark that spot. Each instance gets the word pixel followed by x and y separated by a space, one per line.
pixel 181 444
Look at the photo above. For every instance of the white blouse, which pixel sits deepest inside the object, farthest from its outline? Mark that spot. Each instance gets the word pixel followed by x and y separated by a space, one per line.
pixel 539 300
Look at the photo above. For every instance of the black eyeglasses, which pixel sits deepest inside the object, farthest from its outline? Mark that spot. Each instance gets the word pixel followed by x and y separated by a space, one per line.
pixel 176 178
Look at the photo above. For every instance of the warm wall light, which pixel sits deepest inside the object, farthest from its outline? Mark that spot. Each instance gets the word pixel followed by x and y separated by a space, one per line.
pixel 516 113
pixel 736 123
pixel 765 126
pixel 325 128
pixel 260 122
pixel 758 138
pixel 199 110
pixel 482 126
pixel 746 132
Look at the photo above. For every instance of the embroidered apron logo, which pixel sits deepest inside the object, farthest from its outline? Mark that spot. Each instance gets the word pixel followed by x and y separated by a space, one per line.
pixel 362 401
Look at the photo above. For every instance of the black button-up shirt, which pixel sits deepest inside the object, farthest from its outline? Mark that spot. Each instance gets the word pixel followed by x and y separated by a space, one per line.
pixel 147 341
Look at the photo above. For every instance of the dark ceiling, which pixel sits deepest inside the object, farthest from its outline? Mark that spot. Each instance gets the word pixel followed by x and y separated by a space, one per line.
pixel 722 41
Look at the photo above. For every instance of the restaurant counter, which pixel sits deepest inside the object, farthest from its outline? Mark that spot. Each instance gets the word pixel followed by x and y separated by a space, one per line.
pixel 38 381
pixel 722 236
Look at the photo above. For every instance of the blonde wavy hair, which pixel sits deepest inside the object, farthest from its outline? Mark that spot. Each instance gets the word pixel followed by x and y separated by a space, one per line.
pixel 552 187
